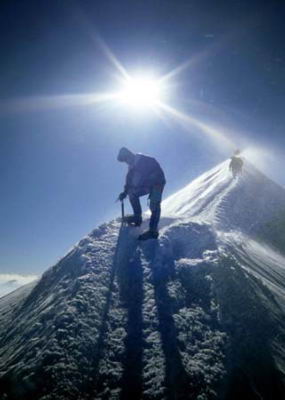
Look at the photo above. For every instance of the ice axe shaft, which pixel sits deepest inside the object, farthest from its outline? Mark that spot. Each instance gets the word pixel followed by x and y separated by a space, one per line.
pixel 123 210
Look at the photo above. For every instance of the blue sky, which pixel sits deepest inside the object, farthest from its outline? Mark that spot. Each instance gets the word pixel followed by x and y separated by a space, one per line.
pixel 58 169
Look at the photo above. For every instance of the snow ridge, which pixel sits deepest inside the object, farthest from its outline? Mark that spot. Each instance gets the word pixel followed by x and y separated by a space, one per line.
pixel 198 314
pixel 241 204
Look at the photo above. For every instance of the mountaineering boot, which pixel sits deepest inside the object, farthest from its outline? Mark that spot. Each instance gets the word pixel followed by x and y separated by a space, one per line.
pixel 148 235
pixel 133 220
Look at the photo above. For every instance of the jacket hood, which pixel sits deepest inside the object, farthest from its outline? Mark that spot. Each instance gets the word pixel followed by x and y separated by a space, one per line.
pixel 125 154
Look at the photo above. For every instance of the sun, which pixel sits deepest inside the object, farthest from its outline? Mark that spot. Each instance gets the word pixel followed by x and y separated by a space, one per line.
pixel 140 92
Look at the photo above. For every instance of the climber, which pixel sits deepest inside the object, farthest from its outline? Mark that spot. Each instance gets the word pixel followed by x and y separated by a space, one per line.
pixel 236 164
pixel 144 176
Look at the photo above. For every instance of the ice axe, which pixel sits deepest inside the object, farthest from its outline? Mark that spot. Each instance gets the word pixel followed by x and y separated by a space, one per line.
pixel 123 211
pixel 122 208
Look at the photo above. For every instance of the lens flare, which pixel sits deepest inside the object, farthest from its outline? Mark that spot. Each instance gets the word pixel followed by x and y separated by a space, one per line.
pixel 141 92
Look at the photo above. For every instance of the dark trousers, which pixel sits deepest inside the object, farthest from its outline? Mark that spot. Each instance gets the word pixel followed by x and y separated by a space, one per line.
pixel 236 172
pixel 155 195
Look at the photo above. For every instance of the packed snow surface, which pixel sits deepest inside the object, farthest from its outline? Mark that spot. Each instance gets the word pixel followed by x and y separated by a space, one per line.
pixel 197 314
pixel 227 203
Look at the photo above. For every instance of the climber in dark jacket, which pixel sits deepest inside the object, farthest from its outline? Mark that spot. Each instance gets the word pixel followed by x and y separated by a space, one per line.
pixel 144 176
pixel 236 164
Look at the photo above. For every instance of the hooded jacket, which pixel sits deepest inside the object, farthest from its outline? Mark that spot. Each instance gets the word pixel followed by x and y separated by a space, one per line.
pixel 236 163
pixel 144 173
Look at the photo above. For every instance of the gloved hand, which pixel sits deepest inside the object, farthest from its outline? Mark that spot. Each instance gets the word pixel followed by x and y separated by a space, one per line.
pixel 122 196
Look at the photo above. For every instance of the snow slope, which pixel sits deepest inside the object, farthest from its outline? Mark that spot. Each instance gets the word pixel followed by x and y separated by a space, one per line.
pixel 226 203
pixel 198 314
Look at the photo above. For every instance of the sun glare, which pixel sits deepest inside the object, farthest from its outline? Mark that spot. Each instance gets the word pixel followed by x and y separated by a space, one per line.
pixel 140 92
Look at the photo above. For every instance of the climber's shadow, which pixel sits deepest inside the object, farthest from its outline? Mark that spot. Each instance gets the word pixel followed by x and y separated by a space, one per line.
pixel 130 284
pixel 125 280
pixel 162 270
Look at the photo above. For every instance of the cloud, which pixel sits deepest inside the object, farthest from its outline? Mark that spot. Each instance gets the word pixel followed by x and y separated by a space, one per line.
pixel 10 282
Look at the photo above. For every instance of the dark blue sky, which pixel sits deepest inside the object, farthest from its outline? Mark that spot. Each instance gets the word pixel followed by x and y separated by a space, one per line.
pixel 58 169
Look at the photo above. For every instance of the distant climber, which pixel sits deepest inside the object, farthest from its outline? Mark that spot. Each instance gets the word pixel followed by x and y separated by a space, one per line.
pixel 236 164
pixel 145 176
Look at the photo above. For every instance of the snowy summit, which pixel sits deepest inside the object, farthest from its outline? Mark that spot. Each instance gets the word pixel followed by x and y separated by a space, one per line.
pixel 197 314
